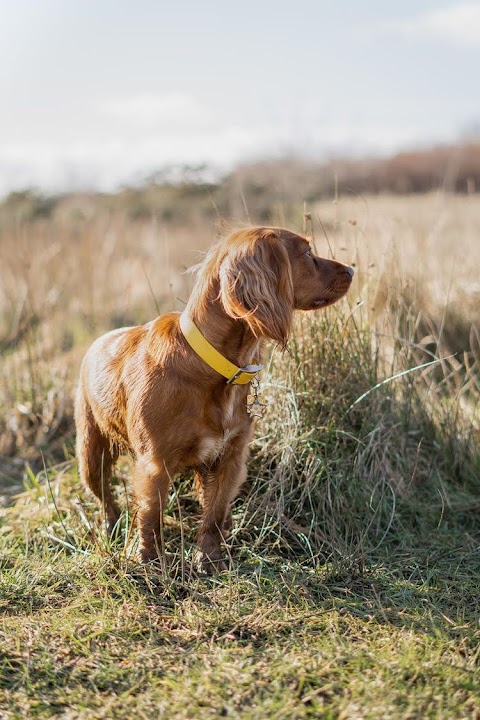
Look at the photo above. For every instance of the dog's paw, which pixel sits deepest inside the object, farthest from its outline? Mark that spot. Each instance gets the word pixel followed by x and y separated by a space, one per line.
pixel 148 555
pixel 212 564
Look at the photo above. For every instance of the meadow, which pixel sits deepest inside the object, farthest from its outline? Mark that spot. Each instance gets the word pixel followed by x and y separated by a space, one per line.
pixel 354 560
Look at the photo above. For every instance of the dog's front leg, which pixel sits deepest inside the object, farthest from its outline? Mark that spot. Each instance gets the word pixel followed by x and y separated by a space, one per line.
pixel 219 487
pixel 201 478
pixel 151 482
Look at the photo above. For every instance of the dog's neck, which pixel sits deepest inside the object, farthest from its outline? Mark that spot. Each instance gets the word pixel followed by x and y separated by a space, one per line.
pixel 231 337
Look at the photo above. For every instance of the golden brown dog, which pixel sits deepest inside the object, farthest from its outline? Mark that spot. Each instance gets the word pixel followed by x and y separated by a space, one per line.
pixel 147 391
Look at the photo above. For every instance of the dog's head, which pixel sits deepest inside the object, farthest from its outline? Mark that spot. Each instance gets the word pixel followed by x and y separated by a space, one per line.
pixel 267 273
pixel 317 282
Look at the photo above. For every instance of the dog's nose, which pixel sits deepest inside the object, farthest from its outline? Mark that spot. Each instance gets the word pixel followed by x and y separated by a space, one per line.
pixel 350 271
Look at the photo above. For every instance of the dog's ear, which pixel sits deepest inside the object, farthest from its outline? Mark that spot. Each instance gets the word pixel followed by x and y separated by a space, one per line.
pixel 256 283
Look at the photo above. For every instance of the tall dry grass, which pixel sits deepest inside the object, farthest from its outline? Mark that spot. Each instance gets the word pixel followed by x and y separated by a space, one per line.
pixel 89 265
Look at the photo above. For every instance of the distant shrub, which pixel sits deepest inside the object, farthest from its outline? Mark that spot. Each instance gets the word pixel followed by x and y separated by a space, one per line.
pixel 27 205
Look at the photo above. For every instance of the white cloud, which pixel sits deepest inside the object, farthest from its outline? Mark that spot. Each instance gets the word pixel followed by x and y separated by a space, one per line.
pixel 60 165
pixel 91 162
pixel 131 137
pixel 151 110
pixel 458 24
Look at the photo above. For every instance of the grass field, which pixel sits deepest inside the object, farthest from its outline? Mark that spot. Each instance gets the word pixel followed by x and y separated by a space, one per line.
pixel 354 562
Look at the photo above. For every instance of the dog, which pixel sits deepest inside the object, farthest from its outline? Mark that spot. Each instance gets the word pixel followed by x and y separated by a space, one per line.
pixel 173 393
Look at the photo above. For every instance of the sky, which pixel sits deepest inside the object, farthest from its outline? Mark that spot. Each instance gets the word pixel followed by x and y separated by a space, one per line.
pixel 99 93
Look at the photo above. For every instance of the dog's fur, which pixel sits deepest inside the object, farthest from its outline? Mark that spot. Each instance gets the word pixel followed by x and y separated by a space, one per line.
pixel 145 391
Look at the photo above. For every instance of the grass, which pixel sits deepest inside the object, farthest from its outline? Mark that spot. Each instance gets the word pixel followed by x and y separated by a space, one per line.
pixel 92 634
pixel 354 561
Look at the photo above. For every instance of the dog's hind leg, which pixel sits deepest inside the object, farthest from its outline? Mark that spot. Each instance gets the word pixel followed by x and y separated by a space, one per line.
pixel 95 460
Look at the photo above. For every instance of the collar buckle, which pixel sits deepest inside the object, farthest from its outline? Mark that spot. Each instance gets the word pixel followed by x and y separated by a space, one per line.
pixel 244 375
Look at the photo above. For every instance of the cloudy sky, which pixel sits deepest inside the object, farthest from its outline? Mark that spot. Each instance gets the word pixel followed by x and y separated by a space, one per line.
pixel 95 93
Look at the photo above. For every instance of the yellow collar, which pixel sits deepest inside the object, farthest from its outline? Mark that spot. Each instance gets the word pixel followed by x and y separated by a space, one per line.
pixel 234 374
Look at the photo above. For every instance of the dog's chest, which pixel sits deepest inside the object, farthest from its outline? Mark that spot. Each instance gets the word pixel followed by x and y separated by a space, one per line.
pixel 213 446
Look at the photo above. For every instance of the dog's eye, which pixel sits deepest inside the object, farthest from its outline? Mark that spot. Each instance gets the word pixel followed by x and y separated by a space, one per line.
pixel 309 253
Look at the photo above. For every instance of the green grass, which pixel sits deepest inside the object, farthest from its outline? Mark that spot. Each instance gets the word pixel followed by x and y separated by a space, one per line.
pixel 354 564
pixel 99 636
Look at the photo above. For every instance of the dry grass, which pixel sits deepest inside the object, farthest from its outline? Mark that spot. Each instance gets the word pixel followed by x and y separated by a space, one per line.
pixel 87 268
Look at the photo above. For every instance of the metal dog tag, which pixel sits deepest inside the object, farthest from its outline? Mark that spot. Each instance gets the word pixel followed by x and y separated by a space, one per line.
pixel 255 408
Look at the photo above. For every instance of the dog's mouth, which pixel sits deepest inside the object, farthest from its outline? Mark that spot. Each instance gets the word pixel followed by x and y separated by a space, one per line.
pixel 331 296
pixel 333 292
